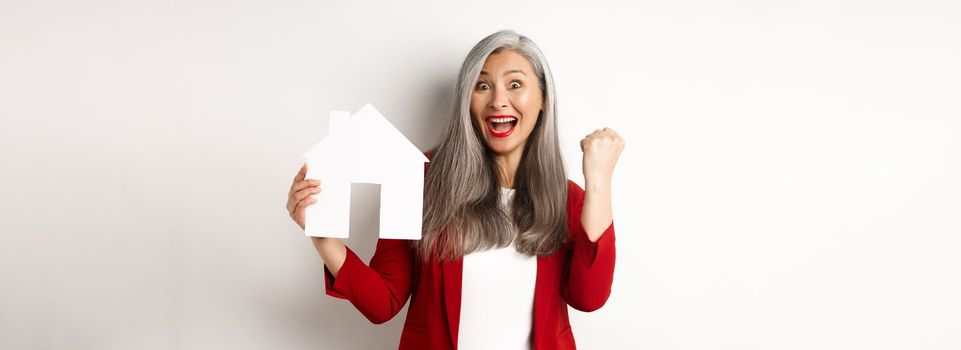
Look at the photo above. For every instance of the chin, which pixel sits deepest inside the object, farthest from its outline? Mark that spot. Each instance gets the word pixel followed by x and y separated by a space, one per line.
pixel 500 148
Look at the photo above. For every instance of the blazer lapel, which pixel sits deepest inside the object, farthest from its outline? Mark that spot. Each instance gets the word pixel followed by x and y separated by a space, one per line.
pixel 453 277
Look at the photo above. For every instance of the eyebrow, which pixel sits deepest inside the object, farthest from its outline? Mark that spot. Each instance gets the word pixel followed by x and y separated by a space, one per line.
pixel 484 72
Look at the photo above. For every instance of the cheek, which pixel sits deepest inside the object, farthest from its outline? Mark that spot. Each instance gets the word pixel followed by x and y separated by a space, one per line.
pixel 530 105
pixel 529 100
pixel 475 112
pixel 530 122
pixel 477 103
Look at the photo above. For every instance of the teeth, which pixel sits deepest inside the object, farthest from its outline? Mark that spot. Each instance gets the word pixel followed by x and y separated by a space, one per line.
pixel 502 120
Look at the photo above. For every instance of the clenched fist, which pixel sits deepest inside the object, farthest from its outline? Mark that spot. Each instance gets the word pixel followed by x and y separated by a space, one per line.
pixel 601 149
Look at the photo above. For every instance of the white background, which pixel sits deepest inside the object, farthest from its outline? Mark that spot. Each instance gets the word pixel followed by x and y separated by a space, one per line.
pixel 789 180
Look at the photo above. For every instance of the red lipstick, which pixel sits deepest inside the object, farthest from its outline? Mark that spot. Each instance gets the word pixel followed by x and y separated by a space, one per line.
pixel 501 126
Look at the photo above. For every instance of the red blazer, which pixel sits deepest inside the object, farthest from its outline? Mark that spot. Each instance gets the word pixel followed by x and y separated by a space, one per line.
pixel 578 274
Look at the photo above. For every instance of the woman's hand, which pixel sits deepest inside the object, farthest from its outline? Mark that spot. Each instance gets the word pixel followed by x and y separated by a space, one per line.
pixel 331 250
pixel 300 194
pixel 601 149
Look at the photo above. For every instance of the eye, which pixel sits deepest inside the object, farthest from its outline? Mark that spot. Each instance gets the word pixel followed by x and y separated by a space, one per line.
pixel 515 85
pixel 483 86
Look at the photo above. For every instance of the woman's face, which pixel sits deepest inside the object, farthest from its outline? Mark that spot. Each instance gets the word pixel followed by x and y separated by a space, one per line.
pixel 506 102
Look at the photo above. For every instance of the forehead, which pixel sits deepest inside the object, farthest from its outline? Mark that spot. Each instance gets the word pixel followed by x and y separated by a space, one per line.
pixel 507 60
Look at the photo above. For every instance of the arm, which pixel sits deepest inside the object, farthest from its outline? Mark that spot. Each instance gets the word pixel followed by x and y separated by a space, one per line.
pixel 332 251
pixel 587 282
pixel 379 290
pixel 596 215
pixel 590 222
pixel 601 150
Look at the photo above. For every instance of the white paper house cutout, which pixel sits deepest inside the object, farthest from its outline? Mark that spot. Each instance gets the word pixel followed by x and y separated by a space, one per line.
pixel 365 148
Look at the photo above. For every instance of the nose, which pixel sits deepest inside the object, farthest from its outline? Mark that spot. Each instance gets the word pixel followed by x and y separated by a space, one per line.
pixel 499 99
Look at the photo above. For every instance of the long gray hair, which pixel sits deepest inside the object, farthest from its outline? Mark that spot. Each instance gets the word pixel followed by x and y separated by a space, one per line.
pixel 462 211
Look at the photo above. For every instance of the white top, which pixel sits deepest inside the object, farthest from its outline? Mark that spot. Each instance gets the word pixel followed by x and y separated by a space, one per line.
pixel 497 297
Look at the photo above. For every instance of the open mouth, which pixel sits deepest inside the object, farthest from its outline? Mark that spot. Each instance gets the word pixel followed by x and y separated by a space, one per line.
pixel 501 125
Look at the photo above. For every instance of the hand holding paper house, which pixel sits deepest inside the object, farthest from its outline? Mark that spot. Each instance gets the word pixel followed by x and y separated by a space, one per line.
pixel 365 148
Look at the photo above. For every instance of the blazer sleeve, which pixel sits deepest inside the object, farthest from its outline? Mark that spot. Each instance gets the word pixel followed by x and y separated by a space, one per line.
pixel 380 290
pixel 590 273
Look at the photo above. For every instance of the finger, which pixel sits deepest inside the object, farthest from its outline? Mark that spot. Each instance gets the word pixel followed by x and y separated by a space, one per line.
pixel 304 193
pixel 300 206
pixel 297 187
pixel 304 203
pixel 611 132
pixel 291 204
pixel 296 211
pixel 300 195
pixel 618 139
pixel 301 174
pixel 304 184
pixel 606 134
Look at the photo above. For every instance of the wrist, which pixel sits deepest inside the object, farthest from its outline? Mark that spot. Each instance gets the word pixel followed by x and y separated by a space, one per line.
pixel 597 185
pixel 323 242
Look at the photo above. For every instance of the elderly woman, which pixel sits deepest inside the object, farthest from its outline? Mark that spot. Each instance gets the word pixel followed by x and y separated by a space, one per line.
pixel 508 240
